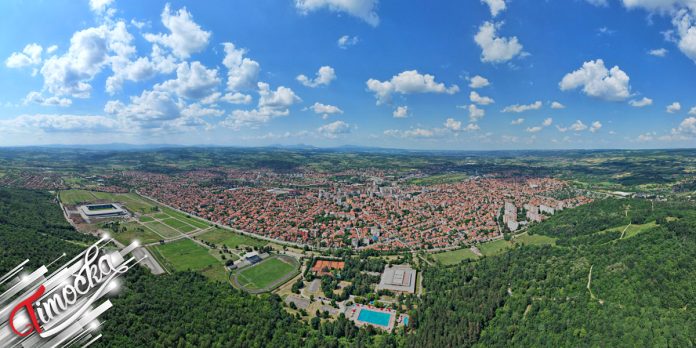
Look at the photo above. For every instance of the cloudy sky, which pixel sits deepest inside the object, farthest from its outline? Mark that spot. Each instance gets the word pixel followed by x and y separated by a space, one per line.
pixel 489 74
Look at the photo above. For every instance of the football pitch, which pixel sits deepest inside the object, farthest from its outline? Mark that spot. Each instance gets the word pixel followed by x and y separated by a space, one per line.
pixel 266 275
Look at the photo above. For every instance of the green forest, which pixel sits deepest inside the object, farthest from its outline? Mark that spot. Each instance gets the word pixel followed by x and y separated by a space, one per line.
pixel 594 288
pixel 641 291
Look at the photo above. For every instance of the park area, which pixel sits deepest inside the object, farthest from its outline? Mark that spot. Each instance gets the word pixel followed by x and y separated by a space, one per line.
pixel 266 275
pixel 495 247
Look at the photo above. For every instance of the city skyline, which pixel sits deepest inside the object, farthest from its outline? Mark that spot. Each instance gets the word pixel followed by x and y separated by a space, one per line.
pixel 610 73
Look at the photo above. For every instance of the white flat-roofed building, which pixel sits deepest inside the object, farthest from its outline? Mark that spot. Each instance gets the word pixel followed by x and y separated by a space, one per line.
pixel 101 211
pixel 398 278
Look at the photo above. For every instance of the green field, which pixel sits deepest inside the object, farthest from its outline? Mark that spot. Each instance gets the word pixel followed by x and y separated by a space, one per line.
pixel 184 255
pixel 178 225
pixel 491 248
pixel 494 248
pixel 221 236
pixel 73 197
pixel 455 256
pixel 164 230
pixel 632 230
pixel 536 239
pixel 265 274
pixel 135 231
pixel 145 218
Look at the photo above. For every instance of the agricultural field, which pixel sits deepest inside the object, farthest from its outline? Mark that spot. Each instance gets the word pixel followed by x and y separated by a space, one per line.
pixel 220 236
pixel 266 275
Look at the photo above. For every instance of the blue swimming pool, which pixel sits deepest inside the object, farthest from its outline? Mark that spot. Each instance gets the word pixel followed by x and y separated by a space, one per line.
pixel 374 317
pixel 406 321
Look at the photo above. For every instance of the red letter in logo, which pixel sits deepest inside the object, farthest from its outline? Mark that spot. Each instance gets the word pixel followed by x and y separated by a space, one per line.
pixel 27 304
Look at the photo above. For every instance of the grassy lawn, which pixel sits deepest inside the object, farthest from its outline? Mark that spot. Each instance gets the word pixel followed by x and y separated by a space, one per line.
pixel 455 256
pixel 178 225
pixel 536 239
pixel 221 236
pixel 635 229
pixel 145 218
pixel 76 196
pixel 184 217
pixel 494 248
pixel 163 229
pixel 264 274
pixel 184 255
pixel 136 231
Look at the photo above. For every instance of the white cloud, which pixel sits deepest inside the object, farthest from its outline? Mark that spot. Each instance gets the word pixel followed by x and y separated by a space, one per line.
pixel 475 113
pixel 51 49
pixel 641 103
pixel 411 133
pixel 30 55
pixel 38 98
pixel 407 82
pixel 271 104
pixel 453 124
pixel 596 125
pixel 496 6
pixel 692 111
pixel 534 129
pixel 186 36
pixel 236 98
pixel 242 72
pixel 496 49
pixel 578 126
pixel 480 100
pixel 334 129
pixel 363 9
pixel 646 137
pixel 346 41
pixel 517 121
pixel 547 122
pixel 56 123
pixel 400 112
pixel 597 81
pixel 517 108
pixel 325 110
pixel 658 52
pixel 99 6
pixel 686 27
pixel 686 128
pixel 478 82
pixel 674 107
pixel 324 76
pixel 88 54
pixel 556 105
pixel 147 110
pixel 193 81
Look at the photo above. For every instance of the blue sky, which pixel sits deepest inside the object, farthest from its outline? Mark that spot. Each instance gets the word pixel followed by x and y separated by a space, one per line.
pixel 490 74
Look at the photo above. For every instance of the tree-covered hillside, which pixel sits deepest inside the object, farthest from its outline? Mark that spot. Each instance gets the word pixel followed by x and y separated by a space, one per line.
pixel 642 290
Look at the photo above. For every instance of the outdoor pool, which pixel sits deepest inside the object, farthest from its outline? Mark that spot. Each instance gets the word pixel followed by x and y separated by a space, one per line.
pixel 374 317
